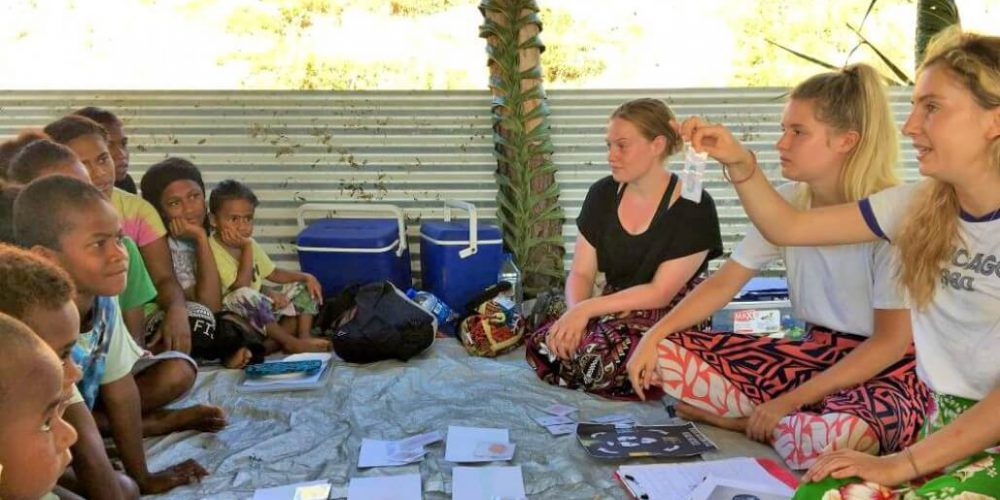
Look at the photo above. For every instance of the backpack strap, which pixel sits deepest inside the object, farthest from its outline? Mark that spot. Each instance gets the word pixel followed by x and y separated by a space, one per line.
pixel 334 308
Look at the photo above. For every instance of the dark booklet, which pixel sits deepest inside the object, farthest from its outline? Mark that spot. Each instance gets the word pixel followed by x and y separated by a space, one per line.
pixel 618 441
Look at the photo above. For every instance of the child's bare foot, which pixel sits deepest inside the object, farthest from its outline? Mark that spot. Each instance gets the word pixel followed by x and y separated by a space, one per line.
pixel 688 412
pixel 204 418
pixel 307 345
pixel 186 472
pixel 239 359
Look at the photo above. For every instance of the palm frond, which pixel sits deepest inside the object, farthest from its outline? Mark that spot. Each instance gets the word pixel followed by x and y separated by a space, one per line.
pixel 801 55
pixel 904 79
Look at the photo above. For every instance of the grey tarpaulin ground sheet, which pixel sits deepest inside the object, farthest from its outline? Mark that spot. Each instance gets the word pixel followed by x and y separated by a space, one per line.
pixel 279 438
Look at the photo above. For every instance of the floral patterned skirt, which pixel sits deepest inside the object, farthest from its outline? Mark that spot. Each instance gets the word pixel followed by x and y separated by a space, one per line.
pixel 258 309
pixel 974 478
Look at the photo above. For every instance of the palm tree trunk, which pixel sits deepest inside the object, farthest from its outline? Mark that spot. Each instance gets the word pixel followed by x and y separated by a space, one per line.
pixel 528 195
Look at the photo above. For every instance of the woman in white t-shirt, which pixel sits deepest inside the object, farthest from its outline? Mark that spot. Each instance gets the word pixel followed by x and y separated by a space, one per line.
pixel 850 382
pixel 947 232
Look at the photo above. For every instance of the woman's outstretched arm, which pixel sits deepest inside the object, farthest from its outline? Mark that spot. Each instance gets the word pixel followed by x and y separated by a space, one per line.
pixel 776 219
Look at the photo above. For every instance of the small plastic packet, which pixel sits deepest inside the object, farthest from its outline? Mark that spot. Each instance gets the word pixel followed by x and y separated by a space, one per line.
pixel 693 174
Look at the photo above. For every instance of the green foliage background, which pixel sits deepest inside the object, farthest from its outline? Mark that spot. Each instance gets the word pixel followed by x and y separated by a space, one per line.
pixel 572 56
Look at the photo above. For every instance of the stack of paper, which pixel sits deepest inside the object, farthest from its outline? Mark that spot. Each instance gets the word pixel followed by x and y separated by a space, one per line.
pixel 558 425
pixel 286 383
pixel 378 453
pixel 478 444
pixel 487 483
pixel 558 422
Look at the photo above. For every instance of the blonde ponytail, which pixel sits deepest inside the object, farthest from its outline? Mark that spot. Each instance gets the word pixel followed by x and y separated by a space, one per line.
pixel 854 99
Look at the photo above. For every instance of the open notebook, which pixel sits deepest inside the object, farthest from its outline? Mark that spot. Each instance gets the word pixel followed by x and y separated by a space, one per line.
pixel 679 481
pixel 297 382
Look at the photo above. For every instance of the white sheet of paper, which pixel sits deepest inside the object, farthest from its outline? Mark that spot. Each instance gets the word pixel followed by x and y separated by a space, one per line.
pixel 553 420
pixel 407 455
pixel 559 410
pixel 378 453
pixel 561 429
pixel 715 488
pixel 487 483
pixel 495 451
pixel 401 487
pixel 421 440
pixel 614 418
pixel 462 442
pixel 677 481
pixel 297 491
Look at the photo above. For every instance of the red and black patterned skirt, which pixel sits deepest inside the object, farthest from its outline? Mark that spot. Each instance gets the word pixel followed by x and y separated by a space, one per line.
pixel 599 363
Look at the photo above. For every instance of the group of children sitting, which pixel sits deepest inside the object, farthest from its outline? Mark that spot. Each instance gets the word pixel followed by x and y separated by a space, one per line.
pixel 131 293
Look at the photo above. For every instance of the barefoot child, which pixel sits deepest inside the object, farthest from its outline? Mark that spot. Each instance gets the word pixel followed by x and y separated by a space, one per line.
pixel 71 223
pixel 175 188
pixel 40 294
pixel 34 438
pixel 243 266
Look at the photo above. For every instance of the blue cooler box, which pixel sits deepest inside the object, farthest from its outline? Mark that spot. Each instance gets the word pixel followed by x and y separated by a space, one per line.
pixel 344 251
pixel 458 259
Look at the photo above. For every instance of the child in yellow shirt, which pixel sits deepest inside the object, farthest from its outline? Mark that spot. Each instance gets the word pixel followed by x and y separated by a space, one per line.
pixel 243 266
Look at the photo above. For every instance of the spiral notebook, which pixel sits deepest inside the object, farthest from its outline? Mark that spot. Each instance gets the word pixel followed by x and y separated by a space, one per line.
pixel 292 382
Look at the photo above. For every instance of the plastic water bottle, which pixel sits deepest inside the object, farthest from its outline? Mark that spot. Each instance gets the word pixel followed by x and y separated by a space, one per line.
pixel 793 328
pixel 511 274
pixel 430 303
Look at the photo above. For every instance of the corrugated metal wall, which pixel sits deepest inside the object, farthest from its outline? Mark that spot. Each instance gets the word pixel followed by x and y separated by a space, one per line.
pixel 413 149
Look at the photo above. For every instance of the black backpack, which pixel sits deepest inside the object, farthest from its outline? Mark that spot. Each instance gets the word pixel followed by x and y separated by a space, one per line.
pixel 374 322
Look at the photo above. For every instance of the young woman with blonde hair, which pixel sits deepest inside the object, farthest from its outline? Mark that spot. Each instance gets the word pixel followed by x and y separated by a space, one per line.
pixel 651 244
pixel 850 383
pixel 947 231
